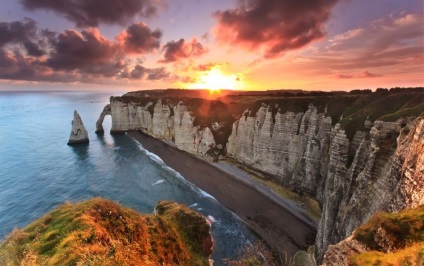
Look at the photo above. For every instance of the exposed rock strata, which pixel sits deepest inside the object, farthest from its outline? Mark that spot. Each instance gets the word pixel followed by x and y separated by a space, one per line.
pixel 292 149
pixel 337 255
pixel 78 133
pixel 381 168
pixel 160 120
pixel 351 179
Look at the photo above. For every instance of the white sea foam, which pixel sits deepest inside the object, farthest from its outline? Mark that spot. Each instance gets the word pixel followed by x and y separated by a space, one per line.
pixel 211 219
pixel 157 159
pixel 158 182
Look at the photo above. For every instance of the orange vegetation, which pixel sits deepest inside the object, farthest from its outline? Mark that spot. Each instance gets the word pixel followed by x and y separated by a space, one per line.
pixel 100 232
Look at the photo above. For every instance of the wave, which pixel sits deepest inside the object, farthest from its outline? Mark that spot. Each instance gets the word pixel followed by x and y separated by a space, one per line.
pixel 158 160
pixel 158 182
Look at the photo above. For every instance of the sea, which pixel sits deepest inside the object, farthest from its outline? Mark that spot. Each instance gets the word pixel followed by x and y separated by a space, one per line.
pixel 39 171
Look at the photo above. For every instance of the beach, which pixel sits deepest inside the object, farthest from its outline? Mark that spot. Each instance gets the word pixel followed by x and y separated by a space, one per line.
pixel 282 228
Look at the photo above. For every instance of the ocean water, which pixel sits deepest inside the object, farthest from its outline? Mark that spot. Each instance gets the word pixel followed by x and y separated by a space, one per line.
pixel 38 171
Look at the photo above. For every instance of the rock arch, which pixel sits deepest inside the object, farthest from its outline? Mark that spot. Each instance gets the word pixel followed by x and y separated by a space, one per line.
pixel 99 124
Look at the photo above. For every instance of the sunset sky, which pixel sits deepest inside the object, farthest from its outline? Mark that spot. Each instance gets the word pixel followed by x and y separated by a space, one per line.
pixel 215 44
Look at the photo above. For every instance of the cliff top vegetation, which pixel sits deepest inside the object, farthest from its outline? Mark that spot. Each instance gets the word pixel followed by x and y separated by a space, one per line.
pixel 350 109
pixel 101 232
pixel 392 239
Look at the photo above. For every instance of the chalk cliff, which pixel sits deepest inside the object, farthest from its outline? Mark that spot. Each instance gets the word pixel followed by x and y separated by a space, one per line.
pixel 162 120
pixel 353 174
pixel 304 152
pixel 78 133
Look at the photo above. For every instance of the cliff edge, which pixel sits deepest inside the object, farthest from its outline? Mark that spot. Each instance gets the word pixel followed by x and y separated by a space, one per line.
pixel 357 154
pixel 100 232
pixel 386 239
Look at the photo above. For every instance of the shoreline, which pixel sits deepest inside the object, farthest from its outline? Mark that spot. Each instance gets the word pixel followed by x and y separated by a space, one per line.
pixel 280 224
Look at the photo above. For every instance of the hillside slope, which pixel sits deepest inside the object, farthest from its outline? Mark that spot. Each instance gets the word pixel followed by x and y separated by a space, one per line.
pixel 386 239
pixel 100 232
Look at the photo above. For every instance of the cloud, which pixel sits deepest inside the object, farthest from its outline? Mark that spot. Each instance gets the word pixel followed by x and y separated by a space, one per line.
pixel 93 12
pixel 74 56
pixel 206 67
pixel 175 51
pixel 23 33
pixel 273 26
pixel 365 74
pixel 142 73
pixel 139 39
pixel 87 51
pixel 391 47
pixel 15 66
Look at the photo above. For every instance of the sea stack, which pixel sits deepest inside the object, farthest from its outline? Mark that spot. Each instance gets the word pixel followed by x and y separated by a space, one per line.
pixel 79 133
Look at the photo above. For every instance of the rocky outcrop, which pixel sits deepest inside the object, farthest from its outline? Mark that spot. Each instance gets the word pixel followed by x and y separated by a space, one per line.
pixel 352 180
pixel 161 120
pixel 99 124
pixel 337 255
pixel 78 133
pixel 380 168
pixel 408 168
pixel 292 149
pixel 385 239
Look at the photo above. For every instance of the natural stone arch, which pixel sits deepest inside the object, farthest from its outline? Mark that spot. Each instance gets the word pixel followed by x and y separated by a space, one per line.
pixel 99 124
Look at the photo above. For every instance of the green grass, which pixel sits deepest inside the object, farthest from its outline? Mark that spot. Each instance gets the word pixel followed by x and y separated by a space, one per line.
pixel 410 256
pixel 100 232
pixel 401 228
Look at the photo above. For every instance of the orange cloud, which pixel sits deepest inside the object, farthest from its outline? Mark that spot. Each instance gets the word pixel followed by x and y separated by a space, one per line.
pixel 175 51
pixel 273 26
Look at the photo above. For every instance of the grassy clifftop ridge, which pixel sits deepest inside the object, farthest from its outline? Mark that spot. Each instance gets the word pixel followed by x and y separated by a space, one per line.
pixel 101 232
pixel 350 109
pixel 392 239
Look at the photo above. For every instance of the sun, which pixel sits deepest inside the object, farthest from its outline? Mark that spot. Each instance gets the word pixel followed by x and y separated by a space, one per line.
pixel 215 80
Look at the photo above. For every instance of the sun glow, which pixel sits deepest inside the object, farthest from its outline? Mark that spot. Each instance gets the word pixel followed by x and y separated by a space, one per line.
pixel 215 80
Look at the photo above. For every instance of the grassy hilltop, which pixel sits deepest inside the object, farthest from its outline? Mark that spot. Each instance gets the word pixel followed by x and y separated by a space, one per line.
pixel 100 232
pixel 392 239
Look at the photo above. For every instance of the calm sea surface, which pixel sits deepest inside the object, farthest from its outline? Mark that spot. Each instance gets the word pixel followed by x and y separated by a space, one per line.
pixel 38 171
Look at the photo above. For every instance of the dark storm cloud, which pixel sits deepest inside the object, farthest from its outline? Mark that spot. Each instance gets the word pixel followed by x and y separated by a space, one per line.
pixel 21 32
pixel 15 66
pixel 174 51
pixel 274 26
pixel 93 12
pixel 87 51
pixel 139 38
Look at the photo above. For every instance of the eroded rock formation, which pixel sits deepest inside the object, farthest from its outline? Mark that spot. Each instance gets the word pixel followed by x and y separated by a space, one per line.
pixel 352 180
pixel 78 133
pixel 380 168
pixel 160 120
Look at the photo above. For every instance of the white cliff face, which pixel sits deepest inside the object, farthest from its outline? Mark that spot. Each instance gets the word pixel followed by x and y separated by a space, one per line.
pixel 166 122
pixel 408 167
pixel 78 133
pixel 291 148
pixel 381 168
pixel 162 122
pixel 352 180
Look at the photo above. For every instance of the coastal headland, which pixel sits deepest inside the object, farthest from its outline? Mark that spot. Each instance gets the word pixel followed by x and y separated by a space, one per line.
pixel 275 224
